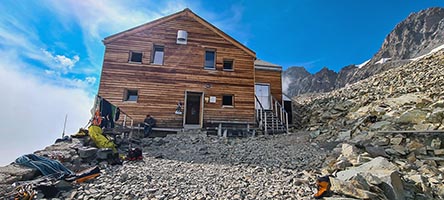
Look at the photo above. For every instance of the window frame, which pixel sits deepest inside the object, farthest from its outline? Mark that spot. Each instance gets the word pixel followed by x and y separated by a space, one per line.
pixel 131 56
pixel 205 59
pixel 153 56
pixel 232 101
pixel 126 95
pixel 232 64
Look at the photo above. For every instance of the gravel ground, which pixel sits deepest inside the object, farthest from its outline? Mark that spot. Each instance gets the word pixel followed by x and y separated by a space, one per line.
pixel 194 166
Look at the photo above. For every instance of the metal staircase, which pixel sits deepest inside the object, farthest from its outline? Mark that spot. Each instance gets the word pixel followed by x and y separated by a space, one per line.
pixel 274 120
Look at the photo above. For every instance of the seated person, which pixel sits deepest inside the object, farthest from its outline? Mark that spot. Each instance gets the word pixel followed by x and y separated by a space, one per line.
pixel 149 123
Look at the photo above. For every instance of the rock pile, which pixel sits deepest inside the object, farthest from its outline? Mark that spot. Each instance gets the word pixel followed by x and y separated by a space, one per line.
pixel 410 97
pixel 388 125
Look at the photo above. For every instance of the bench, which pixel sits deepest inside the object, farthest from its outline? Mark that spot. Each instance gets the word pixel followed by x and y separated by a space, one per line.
pixel 220 125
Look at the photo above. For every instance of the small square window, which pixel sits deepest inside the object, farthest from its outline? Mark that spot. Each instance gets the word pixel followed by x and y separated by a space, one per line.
pixel 210 59
pixel 158 54
pixel 228 64
pixel 228 100
pixel 131 95
pixel 135 57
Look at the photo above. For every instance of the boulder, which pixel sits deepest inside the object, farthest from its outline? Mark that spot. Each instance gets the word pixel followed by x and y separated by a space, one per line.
pixel 349 151
pixel 375 151
pixel 421 183
pixel 348 189
pixel 13 172
pixel 412 117
pixel 383 169
pixel 396 140
pixel 104 153
pixel 344 135
pixel 315 134
pixel 87 152
pixel 400 149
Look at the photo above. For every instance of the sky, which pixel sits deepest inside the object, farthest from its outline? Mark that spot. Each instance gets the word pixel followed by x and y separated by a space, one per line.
pixel 51 51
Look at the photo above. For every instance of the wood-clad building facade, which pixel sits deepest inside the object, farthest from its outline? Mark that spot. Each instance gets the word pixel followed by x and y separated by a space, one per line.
pixel 183 71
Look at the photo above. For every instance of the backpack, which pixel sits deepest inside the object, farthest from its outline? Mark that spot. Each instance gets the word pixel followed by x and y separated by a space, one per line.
pixel 134 154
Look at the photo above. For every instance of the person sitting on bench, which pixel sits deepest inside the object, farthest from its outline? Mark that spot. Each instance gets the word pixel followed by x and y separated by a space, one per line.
pixel 149 123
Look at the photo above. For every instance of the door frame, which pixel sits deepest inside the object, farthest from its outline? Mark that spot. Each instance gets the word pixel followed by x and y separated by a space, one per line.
pixel 192 126
pixel 269 93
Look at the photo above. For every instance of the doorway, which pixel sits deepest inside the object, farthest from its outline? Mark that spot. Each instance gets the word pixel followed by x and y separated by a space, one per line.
pixel 193 109
pixel 262 92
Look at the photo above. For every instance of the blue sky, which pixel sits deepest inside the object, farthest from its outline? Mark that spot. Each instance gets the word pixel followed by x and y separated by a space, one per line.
pixel 51 50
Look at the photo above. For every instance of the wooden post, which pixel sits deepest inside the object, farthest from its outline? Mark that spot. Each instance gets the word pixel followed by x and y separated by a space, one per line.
pixel 124 120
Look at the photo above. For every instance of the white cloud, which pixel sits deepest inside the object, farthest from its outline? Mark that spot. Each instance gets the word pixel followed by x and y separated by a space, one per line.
pixel 61 62
pixel 33 111
pixel 90 80
pixel 285 84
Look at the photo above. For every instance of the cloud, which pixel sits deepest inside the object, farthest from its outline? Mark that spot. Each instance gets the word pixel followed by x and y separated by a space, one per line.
pixel 286 81
pixel 33 111
pixel 99 18
pixel 90 80
pixel 61 62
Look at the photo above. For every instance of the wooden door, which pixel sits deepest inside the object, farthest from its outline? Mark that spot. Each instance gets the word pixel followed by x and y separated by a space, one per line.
pixel 262 92
pixel 193 105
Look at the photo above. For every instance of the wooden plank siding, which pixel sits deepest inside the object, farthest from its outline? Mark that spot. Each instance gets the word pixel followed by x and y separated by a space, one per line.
pixel 273 78
pixel 161 87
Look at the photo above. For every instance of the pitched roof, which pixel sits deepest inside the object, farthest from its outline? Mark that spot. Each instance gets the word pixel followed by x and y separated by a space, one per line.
pixel 261 64
pixel 185 12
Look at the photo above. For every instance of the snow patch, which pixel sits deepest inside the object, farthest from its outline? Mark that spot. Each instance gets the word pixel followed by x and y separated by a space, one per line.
pixel 383 60
pixel 431 52
pixel 363 64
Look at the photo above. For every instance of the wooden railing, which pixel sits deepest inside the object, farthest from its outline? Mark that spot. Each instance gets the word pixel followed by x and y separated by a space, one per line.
pixel 279 117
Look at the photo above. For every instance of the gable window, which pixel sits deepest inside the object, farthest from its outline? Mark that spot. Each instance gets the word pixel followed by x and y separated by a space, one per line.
pixel 131 95
pixel 228 64
pixel 227 100
pixel 210 59
pixel 158 55
pixel 135 57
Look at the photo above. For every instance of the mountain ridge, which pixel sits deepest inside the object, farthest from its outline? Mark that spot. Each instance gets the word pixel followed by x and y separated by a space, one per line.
pixel 418 34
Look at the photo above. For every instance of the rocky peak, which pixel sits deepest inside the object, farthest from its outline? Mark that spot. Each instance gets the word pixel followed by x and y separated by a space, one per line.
pixel 417 35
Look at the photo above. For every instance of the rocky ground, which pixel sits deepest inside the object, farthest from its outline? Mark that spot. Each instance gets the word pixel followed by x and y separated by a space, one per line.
pixel 397 115
pixel 196 166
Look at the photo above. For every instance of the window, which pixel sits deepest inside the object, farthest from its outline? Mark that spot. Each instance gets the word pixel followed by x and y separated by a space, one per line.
pixel 210 58
pixel 228 100
pixel 131 95
pixel 228 64
pixel 135 57
pixel 158 55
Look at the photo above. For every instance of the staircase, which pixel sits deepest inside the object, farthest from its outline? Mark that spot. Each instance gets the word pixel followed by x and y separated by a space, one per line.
pixel 274 120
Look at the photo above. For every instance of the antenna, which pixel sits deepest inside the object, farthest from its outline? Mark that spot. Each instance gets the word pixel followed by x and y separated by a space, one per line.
pixel 64 126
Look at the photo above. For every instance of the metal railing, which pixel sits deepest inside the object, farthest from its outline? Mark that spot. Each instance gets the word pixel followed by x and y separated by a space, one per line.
pixel 279 117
